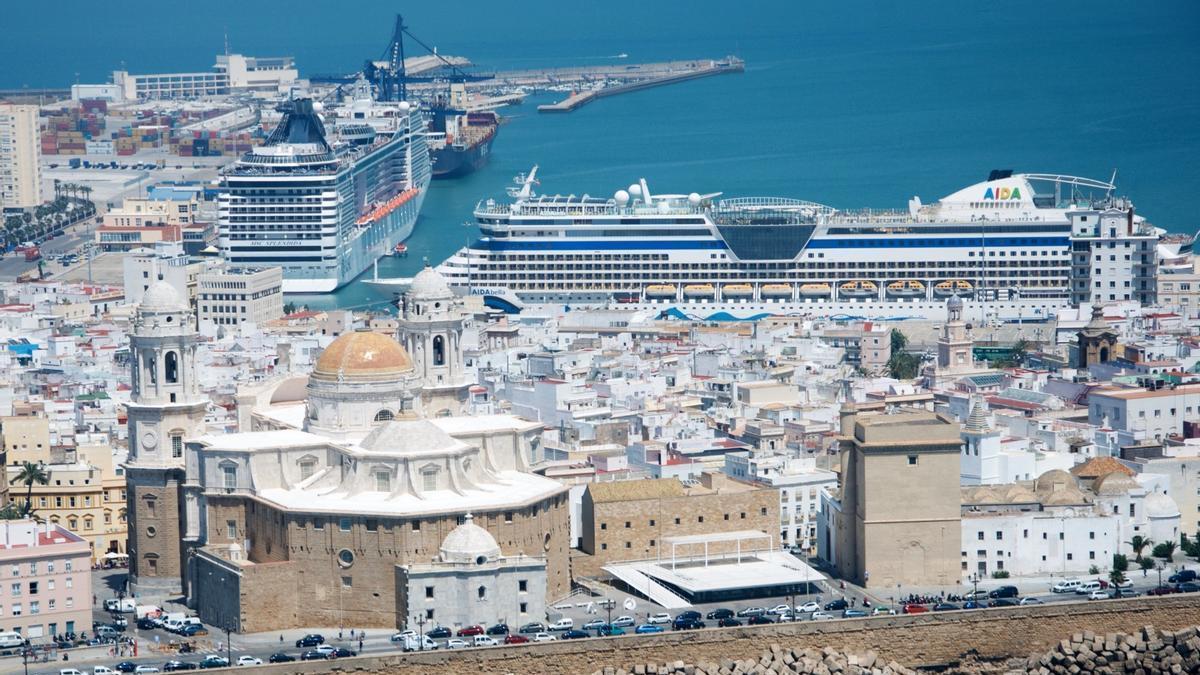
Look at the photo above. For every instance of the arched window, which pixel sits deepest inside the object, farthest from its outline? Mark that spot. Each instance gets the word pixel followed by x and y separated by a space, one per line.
pixel 171 367
pixel 439 350
pixel 384 415
pixel 151 366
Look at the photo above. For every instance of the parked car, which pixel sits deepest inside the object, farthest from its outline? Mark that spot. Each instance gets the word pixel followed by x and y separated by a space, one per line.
pixel 173 666
pixel 880 610
pixel 719 613
pixel 1066 586
pixel 1003 602
pixel 648 628
pixel 485 641
pixel 780 609
pixel 914 608
pixel 1188 587
pixel 145 623
pixel 661 617
pixel 836 605
pixel 310 640
pixel 247 660
pixel 327 650
pixel 810 606
pixel 193 630
pixel 752 611
pixel 972 604
pixel 575 634
pixel 310 655
pixel 456 643
pixel 759 619
pixel 146 669
pixel 468 631
pixel 342 653
pixel 1162 590
pixel 214 661
pixel 280 657
pixel 403 635
pixel 689 624
pixel 610 631
pixel 562 624
pixel 594 624
pixel 1087 587
pixel 515 639
pixel 728 622
pixel 975 595
pixel 125 666
pixel 1182 576
pixel 1030 600
pixel 531 628
pixel 1098 595
pixel 623 621
pixel 821 616
pixel 853 613
pixel 440 633
pixel 945 607
pixel 1004 592
pixel 544 637
pixel 690 614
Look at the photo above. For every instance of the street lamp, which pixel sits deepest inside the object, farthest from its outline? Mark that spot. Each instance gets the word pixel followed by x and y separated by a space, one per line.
pixel 607 604
pixel 975 587
pixel 420 621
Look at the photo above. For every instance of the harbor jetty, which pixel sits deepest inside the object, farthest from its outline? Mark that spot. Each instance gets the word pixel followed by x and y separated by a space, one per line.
pixel 608 81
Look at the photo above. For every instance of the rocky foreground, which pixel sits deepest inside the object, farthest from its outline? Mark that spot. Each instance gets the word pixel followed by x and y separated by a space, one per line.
pixel 1147 652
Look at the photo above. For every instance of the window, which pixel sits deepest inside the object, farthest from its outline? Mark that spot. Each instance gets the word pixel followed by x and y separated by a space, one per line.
pixel 603 526
pixel 16 589
pixel 522 586
pixel 69 582
pixel 67 565
pixel 344 524
pixel 50 567
pixel 33 568
pixel 912 460
pixel 429 480
pixel 999 535
pixel 383 481
pixel 508 516
pixel 603 547
pixel 384 415
pixel 231 529
pixel 439 350
pixel 524 608
pixel 651 522
pixel 177 445
pixel 429 592
pixel 628 544
pixel 33 588
pixel 318 523
pixel 416 526
pixel 307 468
pixel 87 523
pixel 347 582
pixel 429 614
pixel 16 570
pixel 17 609
pixel 481 592
pixel 230 473
pixel 35 607
pixel 627 524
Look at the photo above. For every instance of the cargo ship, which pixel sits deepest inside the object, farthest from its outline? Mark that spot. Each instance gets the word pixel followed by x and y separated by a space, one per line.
pixel 1015 246
pixel 325 204
pixel 460 139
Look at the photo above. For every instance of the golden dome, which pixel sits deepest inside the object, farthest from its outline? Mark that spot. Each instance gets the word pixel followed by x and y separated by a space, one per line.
pixel 362 356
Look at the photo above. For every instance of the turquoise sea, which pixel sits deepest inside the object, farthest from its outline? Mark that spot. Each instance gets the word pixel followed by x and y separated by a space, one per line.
pixel 853 104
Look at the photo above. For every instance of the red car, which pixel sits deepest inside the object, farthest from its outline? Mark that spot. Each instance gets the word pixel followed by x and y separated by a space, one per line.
pixel 468 631
pixel 915 609
pixel 1163 590
pixel 514 639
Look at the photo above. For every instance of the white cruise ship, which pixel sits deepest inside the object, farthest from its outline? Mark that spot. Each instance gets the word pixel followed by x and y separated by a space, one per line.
pixel 1017 246
pixel 325 206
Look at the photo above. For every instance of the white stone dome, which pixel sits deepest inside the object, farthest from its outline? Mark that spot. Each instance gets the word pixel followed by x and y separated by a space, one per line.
pixel 1159 505
pixel 162 297
pixel 429 284
pixel 469 543
pixel 954 302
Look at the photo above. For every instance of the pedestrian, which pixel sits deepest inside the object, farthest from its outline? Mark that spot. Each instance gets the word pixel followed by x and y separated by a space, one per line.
pixel 281 638
pixel 360 643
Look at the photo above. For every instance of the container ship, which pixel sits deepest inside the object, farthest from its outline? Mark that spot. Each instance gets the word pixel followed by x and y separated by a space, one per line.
pixel 1016 246
pixel 460 139
pixel 324 203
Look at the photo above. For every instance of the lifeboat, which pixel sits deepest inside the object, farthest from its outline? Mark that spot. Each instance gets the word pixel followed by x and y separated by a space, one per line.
pixel 660 291
pixel 380 210
pixel 815 290
pixel 777 290
pixel 953 286
pixel 699 291
pixel 859 289
pixel 737 290
pixel 906 288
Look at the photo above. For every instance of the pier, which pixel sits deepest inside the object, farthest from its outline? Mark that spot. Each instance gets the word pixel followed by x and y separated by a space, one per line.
pixel 647 76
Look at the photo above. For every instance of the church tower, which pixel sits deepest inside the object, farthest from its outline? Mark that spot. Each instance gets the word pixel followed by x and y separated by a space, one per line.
pixel 955 344
pixel 165 408
pixel 1097 342
pixel 981 449
pixel 431 330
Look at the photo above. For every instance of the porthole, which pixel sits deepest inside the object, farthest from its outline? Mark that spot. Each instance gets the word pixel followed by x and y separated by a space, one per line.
pixel 150 531
pixel 481 560
pixel 345 557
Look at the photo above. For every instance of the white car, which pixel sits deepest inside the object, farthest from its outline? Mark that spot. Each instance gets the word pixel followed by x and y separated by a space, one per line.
pixel 1098 595
pixel 103 670
pixel 623 621
pixel 485 641
pixel 807 607
pixel 325 649
pixel 1066 586
pixel 544 637
pixel 821 616
pixel 1031 601
pixel 248 660
pixel 145 669
pixel 780 609
pixel 661 617
pixel 404 635
pixel 455 643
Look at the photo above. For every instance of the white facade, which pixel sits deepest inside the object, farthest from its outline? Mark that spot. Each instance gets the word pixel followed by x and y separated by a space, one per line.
pixel 1038 543
pixel 1144 413
pixel 20 157
pixel 800 485
pixel 233 298
pixel 141 268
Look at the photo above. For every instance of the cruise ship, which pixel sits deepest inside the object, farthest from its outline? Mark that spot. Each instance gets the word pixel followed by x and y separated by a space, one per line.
pixel 324 203
pixel 1015 246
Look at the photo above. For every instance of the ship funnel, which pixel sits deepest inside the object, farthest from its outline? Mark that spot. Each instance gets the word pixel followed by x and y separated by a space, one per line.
pixel 914 206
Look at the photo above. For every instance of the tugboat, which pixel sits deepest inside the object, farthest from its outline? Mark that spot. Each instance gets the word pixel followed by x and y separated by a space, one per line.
pixel 401 250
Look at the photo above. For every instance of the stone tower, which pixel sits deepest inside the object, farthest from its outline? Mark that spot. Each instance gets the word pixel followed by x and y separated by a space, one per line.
pixel 1097 341
pixel 954 344
pixel 431 330
pixel 165 408
pixel 981 448
pixel 900 520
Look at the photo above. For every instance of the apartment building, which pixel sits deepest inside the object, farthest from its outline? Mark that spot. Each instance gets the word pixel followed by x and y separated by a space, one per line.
pixel 20 155
pixel 47 580
pixel 229 298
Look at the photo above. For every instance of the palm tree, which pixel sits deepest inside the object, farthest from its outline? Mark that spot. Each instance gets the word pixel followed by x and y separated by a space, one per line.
pixel 32 473
pixel 1117 579
pixel 1165 550
pixel 57 189
pixel 1139 543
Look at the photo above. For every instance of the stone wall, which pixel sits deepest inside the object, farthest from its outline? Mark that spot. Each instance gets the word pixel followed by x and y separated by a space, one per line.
pixel 917 640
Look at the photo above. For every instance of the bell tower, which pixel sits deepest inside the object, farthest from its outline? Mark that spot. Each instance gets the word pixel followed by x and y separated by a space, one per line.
pixel 431 330
pixel 165 408
pixel 955 344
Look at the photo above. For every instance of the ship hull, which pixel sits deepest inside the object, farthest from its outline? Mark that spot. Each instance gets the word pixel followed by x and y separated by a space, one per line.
pixel 451 162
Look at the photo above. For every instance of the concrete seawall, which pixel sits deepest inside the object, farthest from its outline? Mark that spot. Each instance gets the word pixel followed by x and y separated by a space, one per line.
pixel 582 98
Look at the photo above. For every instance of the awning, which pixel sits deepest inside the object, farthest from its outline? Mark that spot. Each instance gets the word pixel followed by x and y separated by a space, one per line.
pixel 112 556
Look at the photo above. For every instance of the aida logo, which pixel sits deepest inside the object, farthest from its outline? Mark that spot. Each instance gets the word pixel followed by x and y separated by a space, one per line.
pixel 1002 193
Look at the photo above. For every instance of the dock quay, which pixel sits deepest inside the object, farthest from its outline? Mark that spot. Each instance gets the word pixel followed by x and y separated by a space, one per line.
pixel 653 75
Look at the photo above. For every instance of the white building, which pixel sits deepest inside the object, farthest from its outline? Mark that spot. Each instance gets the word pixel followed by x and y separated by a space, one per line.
pixel 1145 413
pixel 20 157
pixel 167 262
pixel 985 460
pixel 228 298
pixel 800 484
pixel 231 73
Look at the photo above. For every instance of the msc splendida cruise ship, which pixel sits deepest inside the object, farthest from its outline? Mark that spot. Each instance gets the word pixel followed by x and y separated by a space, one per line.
pixel 1024 245
pixel 324 207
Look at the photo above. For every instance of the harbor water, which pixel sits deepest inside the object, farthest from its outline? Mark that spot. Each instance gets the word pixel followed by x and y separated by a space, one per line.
pixel 851 104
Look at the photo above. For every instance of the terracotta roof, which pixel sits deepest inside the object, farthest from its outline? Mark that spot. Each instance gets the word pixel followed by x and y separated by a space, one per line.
pixel 1100 466
pixel 632 490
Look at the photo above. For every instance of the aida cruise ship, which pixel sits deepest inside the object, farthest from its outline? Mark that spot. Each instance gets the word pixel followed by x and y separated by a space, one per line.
pixel 1021 245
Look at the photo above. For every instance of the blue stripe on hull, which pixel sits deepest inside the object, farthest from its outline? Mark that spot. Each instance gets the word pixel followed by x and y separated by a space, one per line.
pixel 892 243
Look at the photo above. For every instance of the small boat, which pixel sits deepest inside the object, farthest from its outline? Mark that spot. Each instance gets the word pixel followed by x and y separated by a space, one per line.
pixel 859 289
pixel 737 291
pixel 953 286
pixel 626 297
pixel 699 291
pixel 660 291
pixel 906 288
pixel 777 290
pixel 401 250
pixel 815 290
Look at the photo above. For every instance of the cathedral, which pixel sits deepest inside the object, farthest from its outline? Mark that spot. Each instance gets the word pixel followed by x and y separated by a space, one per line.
pixel 340 485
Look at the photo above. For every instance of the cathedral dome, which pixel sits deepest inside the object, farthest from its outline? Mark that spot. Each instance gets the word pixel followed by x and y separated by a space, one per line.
pixel 469 543
pixel 362 356
pixel 162 297
pixel 1114 484
pixel 1158 505
pixel 429 284
pixel 954 303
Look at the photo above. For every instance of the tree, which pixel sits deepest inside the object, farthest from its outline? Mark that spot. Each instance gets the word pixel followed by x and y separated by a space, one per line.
pixel 902 365
pixel 1139 543
pixel 1165 550
pixel 1146 563
pixel 32 473
pixel 289 308
pixel 1117 579
pixel 1120 563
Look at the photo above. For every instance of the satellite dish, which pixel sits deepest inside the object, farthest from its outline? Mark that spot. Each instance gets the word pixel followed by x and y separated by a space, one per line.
pixel 630 604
